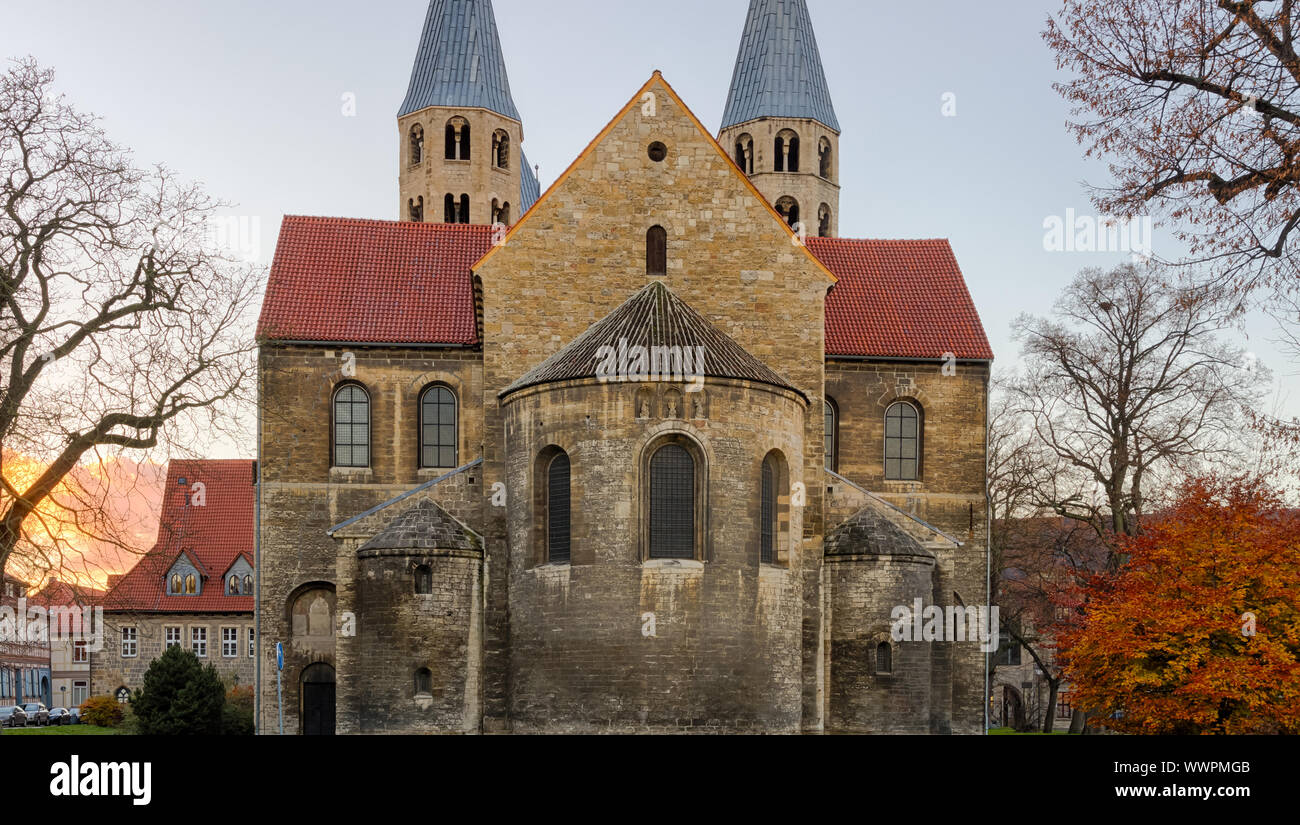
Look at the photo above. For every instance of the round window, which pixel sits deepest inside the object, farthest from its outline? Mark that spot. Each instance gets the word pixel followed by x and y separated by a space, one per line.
pixel 658 152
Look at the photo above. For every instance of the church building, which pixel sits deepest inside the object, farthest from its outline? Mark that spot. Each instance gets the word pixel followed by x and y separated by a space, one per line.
pixel 656 450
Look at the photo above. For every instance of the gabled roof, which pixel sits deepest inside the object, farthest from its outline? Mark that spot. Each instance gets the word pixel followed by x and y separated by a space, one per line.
pixel 382 282
pixel 779 69
pixel 212 534
pixel 425 526
pixel 459 62
pixel 899 299
pixel 653 317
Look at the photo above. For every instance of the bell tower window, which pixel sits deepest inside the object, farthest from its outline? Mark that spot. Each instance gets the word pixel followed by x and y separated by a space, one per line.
pixel 457 147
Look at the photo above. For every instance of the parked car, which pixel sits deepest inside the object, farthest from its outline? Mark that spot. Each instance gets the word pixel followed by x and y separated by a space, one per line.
pixel 12 716
pixel 37 714
pixel 74 715
pixel 60 716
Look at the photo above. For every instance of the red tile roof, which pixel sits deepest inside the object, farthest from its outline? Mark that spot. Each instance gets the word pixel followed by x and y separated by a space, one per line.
pixel 213 534
pixel 382 282
pixel 61 593
pixel 373 282
pixel 898 299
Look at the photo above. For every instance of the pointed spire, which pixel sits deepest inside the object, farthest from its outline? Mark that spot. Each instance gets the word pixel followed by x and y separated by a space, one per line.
pixel 460 62
pixel 779 70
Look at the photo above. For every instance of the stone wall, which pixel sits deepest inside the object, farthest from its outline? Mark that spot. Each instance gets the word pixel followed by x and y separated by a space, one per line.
pixel 110 670
pixel 806 186
pixel 435 176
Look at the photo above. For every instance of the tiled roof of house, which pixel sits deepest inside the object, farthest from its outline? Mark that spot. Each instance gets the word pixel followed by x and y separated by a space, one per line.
pixel 212 526
pixel 383 282
pixel 58 592
pixel 460 62
pixel 653 317
pixel 899 299
pixel 779 69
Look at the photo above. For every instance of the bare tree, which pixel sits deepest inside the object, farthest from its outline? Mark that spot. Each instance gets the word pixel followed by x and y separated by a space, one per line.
pixel 120 327
pixel 1128 382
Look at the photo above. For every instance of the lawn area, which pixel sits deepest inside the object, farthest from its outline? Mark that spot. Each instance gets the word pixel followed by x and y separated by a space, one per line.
pixel 1011 732
pixel 62 730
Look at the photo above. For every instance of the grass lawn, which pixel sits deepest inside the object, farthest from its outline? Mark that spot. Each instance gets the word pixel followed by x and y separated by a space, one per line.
pixel 1010 732
pixel 62 730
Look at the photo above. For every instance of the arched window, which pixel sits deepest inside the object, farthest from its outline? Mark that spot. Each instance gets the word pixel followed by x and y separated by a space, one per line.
pixel 416 207
pixel 234 585
pixel 449 209
pixel 824 158
pixel 672 503
pixel 438 430
pixel 767 512
pixel 745 154
pixel 351 427
pixel 824 221
pixel 557 510
pixel 505 212
pixel 902 442
pixel 832 414
pixel 501 149
pixel 248 585
pixel 788 208
pixel 176 583
pixel 463 214
pixel 191 585
pixel 123 695
pixel 424 682
pixel 457 139
pixel 787 151
pixel 417 144
pixel 884 658
pixel 656 251
pixel 423 580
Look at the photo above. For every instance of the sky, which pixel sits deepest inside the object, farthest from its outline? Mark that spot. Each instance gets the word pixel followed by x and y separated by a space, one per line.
pixel 951 128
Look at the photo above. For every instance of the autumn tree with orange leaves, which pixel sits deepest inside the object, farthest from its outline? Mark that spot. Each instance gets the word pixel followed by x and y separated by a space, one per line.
pixel 1199 633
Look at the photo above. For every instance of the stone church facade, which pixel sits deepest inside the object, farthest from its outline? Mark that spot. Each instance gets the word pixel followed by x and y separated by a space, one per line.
pixel 655 451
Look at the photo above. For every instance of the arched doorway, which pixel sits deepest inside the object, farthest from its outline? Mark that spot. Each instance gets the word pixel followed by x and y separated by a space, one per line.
pixel 317 692
pixel 1013 709
pixel 45 691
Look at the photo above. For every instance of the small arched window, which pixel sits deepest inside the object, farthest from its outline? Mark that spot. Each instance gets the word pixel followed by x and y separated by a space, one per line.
pixel 787 151
pixel 767 512
pixel 351 427
pixel 824 221
pixel 176 585
pixel 745 154
pixel 438 430
pixel 457 147
pixel 248 585
pixel 423 580
pixel 462 216
pixel 417 144
pixel 824 158
pixel 558 527
pixel 424 682
pixel 505 212
pixel 416 207
pixel 902 442
pixel 234 585
pixel 884 658
pixel 501 149
pixel 832 435
pixel 656 251
pixel 449 209
pixel 788 208
pixel 191 585
pixel 672 503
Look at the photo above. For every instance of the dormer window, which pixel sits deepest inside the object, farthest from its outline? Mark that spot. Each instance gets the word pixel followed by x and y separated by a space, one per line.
pixel 177 585
pixel 191 585
pixel 233 587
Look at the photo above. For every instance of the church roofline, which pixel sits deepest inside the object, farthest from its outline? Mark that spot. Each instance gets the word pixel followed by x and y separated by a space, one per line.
pixel 609 127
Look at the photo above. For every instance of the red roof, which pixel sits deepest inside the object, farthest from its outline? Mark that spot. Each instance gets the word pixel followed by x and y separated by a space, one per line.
pixel 899 299
pixel 212 526
pixel 373 282
pixel 382 282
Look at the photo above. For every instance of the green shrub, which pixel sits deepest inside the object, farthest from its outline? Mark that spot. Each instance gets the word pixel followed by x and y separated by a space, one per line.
pixel 180 696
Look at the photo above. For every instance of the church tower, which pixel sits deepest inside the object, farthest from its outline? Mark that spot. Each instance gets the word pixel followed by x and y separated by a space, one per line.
pixel 779 124
pixel 459 133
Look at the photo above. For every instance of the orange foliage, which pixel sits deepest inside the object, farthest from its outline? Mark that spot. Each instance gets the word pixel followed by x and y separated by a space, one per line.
pixel 1165 646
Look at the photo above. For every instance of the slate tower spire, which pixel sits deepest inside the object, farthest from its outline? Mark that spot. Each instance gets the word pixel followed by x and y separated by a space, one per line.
pixel 779 121
pixel 460 159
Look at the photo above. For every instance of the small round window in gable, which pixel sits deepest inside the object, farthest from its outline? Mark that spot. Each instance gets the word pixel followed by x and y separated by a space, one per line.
pixel 658 152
